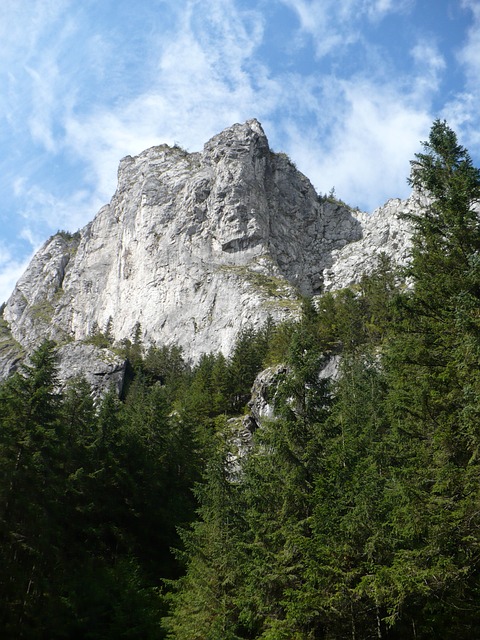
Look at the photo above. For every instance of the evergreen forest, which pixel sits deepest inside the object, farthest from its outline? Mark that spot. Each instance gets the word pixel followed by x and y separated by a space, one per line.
pixel 354 514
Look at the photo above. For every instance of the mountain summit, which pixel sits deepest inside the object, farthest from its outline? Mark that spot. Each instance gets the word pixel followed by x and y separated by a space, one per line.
pixel 192 248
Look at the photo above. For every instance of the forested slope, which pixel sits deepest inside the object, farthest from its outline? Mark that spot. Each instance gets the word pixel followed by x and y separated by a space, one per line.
pixel 355 514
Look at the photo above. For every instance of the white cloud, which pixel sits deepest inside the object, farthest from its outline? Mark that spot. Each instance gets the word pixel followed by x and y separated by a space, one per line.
pixel 371 141
pixel 430 66
pixel 323 20
pixel 26 45
pixel 23 24
pixel 10 271
pixel 462 111
pixel 313 15
pixel 44 210
pixel 462 115
pixel 336 24
pixel 43 96
pixel 469 55
pixel 378 9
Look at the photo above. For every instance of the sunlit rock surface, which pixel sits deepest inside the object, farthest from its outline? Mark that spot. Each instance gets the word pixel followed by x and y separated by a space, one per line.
pixel 193 247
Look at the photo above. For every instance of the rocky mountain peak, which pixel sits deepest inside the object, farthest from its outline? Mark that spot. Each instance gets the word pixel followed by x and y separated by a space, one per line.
pixel 192 248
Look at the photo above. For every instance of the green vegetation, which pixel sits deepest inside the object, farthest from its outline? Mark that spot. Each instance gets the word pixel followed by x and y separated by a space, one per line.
pixel 7 341
pixel 284 156
pixel 4 328
pixel 42 310
pixel 101 339
pixel 332 197
pixel 269 286
pixel 354 516
pixel 68 236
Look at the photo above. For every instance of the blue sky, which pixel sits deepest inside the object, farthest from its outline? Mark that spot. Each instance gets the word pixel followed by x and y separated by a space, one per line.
pixel 348 88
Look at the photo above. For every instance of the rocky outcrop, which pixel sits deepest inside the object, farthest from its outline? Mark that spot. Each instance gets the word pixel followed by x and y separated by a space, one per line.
pixel 266 385
pixel 384 231
pixel 38 298
pixel 262 402
pixel 11 353
pixel 193 247
pixel 102 369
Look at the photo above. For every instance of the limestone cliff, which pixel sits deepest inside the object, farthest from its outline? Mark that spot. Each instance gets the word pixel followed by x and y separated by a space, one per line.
pixel 193 247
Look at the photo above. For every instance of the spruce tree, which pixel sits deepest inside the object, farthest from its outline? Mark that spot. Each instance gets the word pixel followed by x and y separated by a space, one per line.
pixel 434 398
pixel 203 602
pixel 31 467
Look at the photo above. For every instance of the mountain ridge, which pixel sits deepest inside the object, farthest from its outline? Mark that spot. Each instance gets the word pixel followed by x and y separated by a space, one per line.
pixel 193 248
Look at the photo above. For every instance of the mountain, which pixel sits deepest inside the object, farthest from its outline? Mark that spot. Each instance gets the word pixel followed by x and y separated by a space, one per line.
pixel 192 248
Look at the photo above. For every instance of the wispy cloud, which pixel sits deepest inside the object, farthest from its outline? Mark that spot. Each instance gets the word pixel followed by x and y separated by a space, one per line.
pixel 462 111
pixel 378 9
pixel 322 20
pixel 370 140
pixel 43 209
pixel 430 65
pixel 28 64
pixel 334 25
pixel 23 25
pixel 44 98
pixel 10 270
pixel 469 55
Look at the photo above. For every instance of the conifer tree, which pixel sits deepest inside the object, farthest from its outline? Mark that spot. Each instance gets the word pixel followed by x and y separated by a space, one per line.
pixel 434 397
pixel 203 604
pixel 31 490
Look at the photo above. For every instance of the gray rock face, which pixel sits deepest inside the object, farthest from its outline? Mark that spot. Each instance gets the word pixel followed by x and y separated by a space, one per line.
pixel 196 246
pixel 11 353
pixel 102 369
pixel 384 231
pixel 38 297
pixel 262 402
